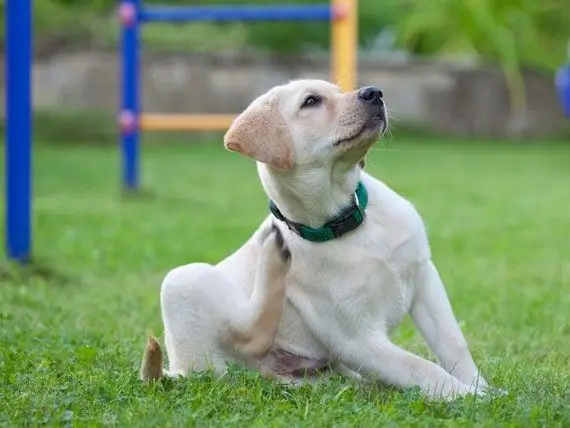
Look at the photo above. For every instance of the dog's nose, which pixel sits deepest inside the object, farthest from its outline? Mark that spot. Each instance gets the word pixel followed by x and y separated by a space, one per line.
pixel 370 94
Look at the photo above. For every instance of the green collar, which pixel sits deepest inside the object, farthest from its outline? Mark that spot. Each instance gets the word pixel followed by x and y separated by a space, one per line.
pixel 349 219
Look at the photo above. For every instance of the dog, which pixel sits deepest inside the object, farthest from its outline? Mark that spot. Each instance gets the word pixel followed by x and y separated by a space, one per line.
pixel 335 266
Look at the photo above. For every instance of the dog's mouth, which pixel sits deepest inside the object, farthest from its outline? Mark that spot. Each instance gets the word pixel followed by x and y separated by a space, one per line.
pixel 374 127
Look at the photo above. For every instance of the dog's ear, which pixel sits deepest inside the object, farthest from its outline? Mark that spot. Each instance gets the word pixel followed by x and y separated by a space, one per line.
pixel 260 132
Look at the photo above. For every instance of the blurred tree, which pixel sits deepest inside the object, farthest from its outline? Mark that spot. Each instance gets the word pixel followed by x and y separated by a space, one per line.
pixel 54 22
pixel 512 33
pixel 374 16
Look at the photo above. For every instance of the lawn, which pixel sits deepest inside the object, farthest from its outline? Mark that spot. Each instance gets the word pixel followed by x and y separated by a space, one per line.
pixel 73 326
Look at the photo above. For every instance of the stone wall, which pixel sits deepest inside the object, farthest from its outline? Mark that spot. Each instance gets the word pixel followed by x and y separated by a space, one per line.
pixel 460 100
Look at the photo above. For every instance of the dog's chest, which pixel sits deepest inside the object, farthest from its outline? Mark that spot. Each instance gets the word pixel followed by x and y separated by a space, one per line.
pixel 347 288
pixel 358 287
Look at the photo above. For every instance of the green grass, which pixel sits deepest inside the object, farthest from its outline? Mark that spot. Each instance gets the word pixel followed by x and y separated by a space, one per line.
pixel 72 328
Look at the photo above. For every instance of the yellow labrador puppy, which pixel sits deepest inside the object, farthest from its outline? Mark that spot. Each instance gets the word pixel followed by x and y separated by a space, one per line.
pixel 359 261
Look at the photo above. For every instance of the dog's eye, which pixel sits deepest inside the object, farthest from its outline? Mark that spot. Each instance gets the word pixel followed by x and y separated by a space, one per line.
pixel 311 101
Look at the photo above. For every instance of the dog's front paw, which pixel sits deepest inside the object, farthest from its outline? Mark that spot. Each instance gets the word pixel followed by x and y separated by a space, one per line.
pixel 479 390
pixel 495 392
pixel 480 387
pixel 450 391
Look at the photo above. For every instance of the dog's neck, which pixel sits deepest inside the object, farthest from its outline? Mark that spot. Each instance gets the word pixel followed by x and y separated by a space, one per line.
pixel 312 196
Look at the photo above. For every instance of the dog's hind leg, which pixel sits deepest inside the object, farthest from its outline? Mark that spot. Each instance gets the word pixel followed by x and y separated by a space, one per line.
pixel 253 335
pixel 205 315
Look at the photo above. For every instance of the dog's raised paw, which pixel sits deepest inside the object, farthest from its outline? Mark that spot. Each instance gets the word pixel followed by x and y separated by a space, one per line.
pixel 281 244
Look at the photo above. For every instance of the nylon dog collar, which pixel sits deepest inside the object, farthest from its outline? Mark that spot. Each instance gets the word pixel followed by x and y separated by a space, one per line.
pixel 347 220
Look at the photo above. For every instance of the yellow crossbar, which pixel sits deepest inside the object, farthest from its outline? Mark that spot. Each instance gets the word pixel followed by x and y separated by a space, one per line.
pixel 186 122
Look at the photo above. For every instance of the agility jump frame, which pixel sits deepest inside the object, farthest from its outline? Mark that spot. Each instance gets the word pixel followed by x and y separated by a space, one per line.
pixel 18 99
pixel 132 13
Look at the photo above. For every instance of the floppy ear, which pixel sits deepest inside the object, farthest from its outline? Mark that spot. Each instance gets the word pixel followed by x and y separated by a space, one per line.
pixel 261 133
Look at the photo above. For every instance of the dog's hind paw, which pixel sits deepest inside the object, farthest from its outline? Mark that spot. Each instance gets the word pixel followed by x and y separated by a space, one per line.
pixel 280 242
pixel 271 239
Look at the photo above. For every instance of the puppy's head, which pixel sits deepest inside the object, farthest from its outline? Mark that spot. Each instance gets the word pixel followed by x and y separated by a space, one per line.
pixel 309 122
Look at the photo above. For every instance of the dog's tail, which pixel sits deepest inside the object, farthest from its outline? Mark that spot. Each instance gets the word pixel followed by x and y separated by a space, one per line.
pixel 151 365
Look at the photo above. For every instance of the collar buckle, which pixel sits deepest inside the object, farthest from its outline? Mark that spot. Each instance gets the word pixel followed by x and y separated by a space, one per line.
pixel 359 207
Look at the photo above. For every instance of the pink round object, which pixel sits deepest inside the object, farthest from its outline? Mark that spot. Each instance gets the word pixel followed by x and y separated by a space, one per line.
pixel 127 14
pixel 340 11
pixel 127 121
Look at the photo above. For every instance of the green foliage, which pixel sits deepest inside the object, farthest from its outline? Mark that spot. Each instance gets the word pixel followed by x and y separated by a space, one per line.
pixel 373 16
pixel 512 33
pixel 71 22
pixel 55 21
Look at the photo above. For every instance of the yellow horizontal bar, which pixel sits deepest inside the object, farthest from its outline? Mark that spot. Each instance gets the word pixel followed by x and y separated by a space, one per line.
pixel 185 122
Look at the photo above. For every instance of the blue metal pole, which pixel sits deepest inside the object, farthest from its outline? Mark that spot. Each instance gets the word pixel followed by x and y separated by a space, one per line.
pixel 130 78
pixel 18 129
pixel 563 87
pixel 293 12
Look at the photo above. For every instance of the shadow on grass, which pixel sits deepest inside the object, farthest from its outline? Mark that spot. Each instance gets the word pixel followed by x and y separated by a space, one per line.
pixel 143 196
pixel 33 270
pixel 136 195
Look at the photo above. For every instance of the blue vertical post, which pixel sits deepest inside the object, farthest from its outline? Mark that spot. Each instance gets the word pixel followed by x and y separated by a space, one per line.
pixel 562 82
pixel 130 78
pixel 18 129
pixel 563 87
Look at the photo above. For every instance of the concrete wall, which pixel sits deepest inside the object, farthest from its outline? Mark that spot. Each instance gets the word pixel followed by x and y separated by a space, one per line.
pixel 461 100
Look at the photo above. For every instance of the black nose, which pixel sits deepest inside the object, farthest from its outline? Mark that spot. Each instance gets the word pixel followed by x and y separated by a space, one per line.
pixel 370 94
